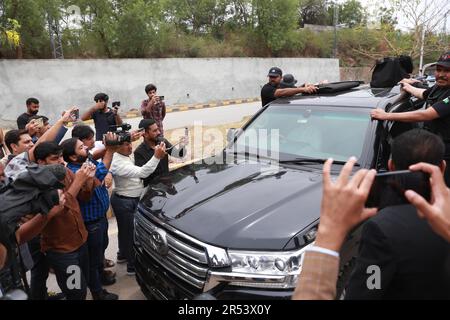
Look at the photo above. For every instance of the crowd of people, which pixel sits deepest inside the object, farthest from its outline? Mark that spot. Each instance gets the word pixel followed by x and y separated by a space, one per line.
pixel 74 234
pixel 408 243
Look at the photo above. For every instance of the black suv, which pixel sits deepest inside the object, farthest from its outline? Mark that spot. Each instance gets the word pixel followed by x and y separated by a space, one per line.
pixel 236 225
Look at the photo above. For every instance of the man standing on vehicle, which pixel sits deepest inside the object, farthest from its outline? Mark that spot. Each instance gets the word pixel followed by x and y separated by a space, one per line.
pixel 271 90
pixel 436 115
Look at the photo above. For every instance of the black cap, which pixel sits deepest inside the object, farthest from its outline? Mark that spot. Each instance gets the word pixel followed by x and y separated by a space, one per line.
pixel 288 81
pixel 101 96
pixel 275 72
pixel 444 60
pixel 145 123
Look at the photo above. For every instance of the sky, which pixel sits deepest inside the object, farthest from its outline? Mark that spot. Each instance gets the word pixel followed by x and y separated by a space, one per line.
pixel 403 23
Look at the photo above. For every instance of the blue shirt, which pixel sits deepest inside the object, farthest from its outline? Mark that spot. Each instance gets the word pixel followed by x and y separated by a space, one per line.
pixel 98 206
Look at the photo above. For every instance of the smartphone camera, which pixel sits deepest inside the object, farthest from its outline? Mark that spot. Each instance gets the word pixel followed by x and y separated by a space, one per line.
pixel 75 115
pixel 389 188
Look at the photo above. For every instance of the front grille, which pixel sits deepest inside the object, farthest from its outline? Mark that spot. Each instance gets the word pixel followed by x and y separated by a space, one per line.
pixel 184 259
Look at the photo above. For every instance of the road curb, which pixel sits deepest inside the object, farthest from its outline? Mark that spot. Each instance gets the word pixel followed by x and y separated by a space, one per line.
pixel 188 107
pixel 182 107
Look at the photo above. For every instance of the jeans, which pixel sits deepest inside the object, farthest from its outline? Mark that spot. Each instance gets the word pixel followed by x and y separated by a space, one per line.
pixel 124 209
pixel 72 281
pixel 97 243
pixel 39 272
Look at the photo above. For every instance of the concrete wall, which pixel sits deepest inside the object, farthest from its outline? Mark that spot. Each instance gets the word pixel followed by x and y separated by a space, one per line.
pixel 62 83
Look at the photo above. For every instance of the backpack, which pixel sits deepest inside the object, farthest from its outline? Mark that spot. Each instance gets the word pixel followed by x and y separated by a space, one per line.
pixel 390 70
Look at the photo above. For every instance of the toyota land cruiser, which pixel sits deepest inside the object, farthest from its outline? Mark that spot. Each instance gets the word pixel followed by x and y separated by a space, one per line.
pixel 237 224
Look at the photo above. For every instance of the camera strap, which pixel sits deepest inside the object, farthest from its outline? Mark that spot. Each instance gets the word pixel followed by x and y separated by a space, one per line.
pixel 18 271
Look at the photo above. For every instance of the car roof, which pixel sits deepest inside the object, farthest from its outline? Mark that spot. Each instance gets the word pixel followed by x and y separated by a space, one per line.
pixel 361 97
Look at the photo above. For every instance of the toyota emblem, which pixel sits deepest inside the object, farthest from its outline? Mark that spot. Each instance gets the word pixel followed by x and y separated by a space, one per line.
pixel 158 241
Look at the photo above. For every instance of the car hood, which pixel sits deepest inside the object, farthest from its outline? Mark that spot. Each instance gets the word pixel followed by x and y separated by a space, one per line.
pixel 238 205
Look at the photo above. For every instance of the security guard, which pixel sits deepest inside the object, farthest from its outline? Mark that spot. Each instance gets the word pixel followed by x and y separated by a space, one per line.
pixel 436 115
pixel 271 90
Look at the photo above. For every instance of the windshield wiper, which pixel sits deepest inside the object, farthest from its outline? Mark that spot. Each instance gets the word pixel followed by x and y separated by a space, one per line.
pixel 313 160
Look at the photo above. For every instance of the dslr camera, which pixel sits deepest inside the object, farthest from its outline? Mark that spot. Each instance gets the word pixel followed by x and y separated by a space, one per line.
pixel 122 132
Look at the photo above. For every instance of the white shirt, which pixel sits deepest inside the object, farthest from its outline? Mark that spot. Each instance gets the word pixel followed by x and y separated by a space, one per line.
pixel 127 176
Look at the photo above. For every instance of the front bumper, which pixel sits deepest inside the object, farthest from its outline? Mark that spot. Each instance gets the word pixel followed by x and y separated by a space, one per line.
pixel 157 283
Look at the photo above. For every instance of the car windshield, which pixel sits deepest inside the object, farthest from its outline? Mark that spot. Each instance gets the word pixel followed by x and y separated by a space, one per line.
pixel 293 132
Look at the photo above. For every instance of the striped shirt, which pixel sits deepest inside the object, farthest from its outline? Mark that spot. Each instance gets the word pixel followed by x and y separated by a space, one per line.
pixel 98 206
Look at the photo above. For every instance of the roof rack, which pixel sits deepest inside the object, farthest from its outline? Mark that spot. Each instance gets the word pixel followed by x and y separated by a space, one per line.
pixel 333 87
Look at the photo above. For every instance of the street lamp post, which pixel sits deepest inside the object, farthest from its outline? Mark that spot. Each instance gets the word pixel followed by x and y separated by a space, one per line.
pixel 335 22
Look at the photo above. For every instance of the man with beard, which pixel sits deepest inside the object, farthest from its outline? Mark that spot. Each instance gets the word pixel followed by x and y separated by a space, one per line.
pixel 271 90
pixel 146 150
pixel 436 115
pixel 32 110
pixel 64 237
pixel 94 211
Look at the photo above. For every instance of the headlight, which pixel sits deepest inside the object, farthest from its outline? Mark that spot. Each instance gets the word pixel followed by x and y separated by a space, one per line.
pixel 270 270
pixel 265 262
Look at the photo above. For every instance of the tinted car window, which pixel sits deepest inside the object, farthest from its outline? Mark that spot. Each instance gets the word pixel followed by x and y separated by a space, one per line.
pixel 299 131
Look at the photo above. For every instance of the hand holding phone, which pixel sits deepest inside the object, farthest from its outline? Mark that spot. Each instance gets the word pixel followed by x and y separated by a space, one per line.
pixel 75 115
pixel 389 188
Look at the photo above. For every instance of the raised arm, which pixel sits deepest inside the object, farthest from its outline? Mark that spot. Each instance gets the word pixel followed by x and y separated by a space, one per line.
pixel 287 92
pixel 52 133
pixel 87 115
pixel 122 169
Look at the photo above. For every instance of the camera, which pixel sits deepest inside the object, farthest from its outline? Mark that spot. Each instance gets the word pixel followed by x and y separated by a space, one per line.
pixel 75 115
pixel 161 98
pixel 122 132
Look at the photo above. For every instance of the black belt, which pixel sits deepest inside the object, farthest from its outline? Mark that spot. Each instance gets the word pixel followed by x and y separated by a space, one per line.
pixel 126 198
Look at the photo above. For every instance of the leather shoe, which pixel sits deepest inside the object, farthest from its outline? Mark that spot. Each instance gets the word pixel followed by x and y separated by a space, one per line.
pixel 108 278
pixel 104 295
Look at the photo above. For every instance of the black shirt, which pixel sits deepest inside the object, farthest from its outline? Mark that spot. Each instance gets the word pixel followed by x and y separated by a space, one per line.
pixel 441 125
pixel 268 93
pixel 434 97
pixel 144 153
pixel 102 121
pixel 22 120
pixel 412 259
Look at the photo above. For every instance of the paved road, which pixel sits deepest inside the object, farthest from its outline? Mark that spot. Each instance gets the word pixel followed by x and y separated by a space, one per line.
pixel 208 116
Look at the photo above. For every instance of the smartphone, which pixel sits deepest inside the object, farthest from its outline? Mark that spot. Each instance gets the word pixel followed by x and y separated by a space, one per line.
pixel 39 122
pixel 161 98
pixel 389 188
pixel 90 158
pixel 75 115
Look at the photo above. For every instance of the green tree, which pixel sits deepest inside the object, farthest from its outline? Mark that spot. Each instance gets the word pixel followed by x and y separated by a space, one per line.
pixel 31 16
pixel 136 29
pixel 352 13
pixel 196 16
pixel 275 22
pixel 314 12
